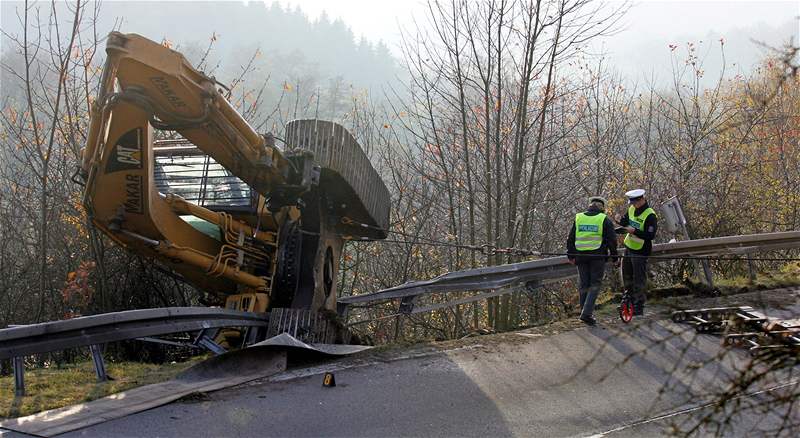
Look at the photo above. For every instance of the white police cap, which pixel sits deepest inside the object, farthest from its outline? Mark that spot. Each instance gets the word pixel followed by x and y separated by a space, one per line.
pixel 636 193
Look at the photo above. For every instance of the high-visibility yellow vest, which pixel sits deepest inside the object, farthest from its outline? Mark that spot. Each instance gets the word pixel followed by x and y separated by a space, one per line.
pixel 631 240
pixel 588 231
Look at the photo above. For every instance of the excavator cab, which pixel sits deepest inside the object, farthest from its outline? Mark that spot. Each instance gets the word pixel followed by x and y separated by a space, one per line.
pixel 185 170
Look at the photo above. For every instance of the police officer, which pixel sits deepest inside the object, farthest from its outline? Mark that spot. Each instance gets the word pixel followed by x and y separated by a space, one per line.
pixel 639 225
pixel 590 243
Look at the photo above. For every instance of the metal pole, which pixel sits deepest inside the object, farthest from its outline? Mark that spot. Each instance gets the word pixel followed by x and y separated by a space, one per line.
pixel 709 278
pixel 398 323
pixel 18 363
pixel 751 270
pixel 99 364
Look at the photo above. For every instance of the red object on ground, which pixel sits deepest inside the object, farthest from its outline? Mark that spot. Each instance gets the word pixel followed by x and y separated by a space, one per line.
pixel 626 311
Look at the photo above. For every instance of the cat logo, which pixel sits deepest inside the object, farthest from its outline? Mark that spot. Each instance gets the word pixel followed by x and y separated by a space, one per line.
pixel 127 154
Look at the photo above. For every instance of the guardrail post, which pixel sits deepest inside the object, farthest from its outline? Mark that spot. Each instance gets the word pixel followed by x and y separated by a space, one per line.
pixel 343 309
pixel 18 364
pixel 205 339
pixel 707 271
pixel 99 364
pixel 398 325
pixel 751 270
pixel 211 346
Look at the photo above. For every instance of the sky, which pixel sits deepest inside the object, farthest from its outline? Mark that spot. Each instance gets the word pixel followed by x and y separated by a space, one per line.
pixel 670 19
pixel 642 48
pixel 640 51
pixel 374 19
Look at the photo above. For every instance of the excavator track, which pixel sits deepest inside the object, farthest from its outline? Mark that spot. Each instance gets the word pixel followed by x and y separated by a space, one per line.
pixel 353 189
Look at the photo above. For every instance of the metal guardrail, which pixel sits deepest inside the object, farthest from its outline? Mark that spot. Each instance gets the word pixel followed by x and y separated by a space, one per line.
pixel 110 327
pixel 557 268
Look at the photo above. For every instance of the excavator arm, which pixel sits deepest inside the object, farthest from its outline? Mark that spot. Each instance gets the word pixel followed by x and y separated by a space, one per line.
pixel 144 86
pixel 176 97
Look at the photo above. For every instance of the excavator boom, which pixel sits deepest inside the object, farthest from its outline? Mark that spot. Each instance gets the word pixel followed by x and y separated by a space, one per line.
pixel 177 97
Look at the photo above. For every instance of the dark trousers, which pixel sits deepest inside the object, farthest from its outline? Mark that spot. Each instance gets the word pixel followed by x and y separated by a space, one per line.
pixel 591 273
pixel 634 276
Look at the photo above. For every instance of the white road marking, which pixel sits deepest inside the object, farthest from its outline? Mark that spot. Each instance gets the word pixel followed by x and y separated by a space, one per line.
pixel 686 411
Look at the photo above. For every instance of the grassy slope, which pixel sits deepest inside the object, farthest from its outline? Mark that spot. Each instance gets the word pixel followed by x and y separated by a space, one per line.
pixel 787 276
pixel 51 388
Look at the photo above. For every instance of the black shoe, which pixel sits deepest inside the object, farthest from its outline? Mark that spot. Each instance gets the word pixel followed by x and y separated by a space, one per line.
pixel 589 320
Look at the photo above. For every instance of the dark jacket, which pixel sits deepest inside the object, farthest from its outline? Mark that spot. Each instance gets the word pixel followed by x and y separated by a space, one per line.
pixel 648 232
pixel 607 247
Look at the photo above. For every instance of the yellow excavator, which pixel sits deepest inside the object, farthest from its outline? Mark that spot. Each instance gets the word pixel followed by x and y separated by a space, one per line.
pixel 254 226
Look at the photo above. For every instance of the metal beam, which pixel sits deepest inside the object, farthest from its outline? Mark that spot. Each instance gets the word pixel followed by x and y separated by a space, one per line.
pixel 168 342
pixel 557 268
pixel 119 326
pixel 99 363
pixel 18 363
pixel 470 299
pixel 211 346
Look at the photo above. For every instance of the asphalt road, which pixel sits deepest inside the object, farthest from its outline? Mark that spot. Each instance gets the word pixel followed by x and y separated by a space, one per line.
pixel 586 382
